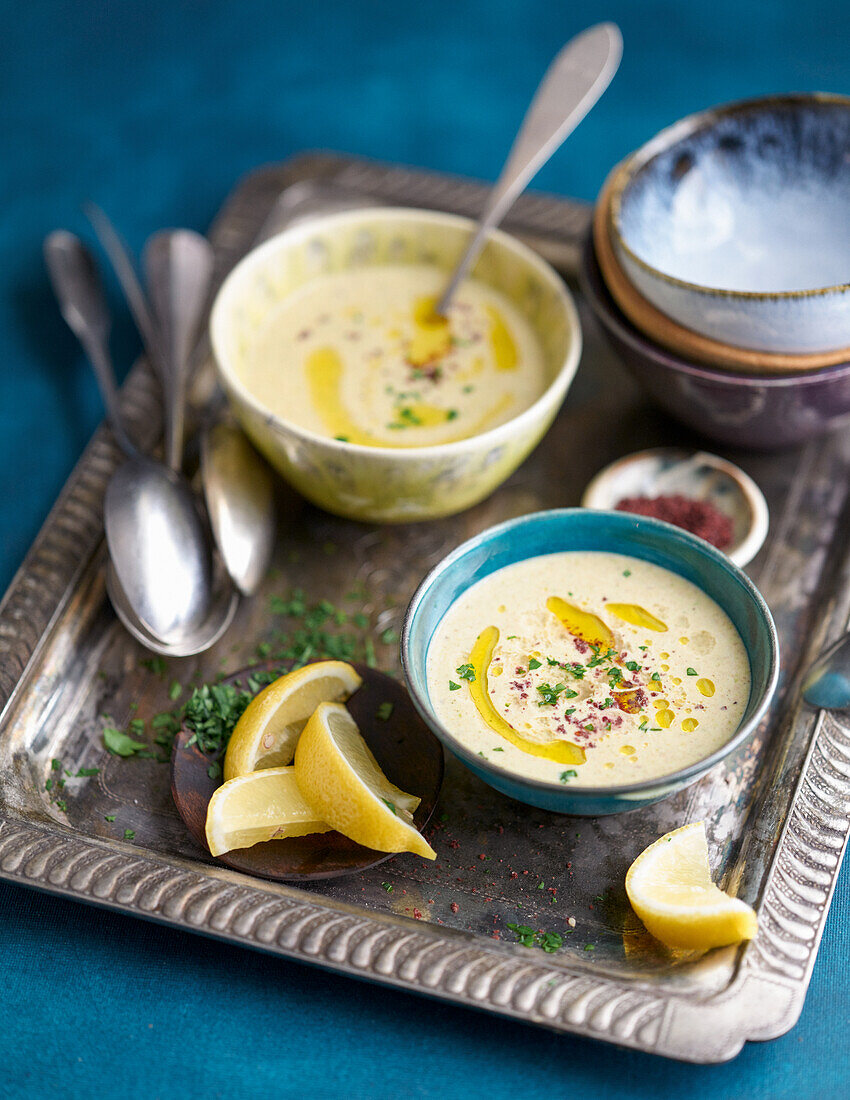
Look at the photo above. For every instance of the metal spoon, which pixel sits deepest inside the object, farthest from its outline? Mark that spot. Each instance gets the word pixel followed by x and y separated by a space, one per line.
pixel 160 553
pixel 573 83
pixel 239 492
pixel 178 266
pixel 827 683
pixel 238 484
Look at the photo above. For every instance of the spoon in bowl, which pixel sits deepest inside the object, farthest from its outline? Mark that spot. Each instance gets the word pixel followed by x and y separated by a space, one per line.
pixel 160 554
pixel 572 85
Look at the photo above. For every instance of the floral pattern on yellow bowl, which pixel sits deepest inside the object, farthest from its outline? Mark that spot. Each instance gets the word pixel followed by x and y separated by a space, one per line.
pixel 389 485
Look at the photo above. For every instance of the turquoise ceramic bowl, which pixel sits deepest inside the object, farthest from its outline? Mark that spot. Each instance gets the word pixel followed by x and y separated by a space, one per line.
pixel 617 532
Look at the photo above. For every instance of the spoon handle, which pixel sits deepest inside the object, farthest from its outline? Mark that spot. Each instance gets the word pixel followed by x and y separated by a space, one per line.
pixel 125 269
pixel 573 83
pixel 179 268
pixel 76 283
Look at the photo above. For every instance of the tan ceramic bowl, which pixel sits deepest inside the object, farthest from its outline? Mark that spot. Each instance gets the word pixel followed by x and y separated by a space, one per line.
pixel 378 484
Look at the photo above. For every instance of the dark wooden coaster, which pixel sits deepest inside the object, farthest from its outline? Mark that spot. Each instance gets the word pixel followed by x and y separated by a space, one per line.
pixel 409 755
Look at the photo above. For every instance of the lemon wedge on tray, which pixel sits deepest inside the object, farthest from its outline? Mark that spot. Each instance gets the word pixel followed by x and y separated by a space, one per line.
pixel 670 888
pixel 339 777
pixel 267 733
pixel 263 805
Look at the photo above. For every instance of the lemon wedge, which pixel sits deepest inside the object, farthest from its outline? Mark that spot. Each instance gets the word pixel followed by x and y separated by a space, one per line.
pixel 340 778
pixel 267 733
pixel 670 888
pixel 263 805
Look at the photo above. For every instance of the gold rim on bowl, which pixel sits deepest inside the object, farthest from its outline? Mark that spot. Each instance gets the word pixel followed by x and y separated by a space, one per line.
pixel 628 169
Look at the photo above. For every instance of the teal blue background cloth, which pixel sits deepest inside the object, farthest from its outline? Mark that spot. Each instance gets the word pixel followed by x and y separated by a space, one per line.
pixel 154 110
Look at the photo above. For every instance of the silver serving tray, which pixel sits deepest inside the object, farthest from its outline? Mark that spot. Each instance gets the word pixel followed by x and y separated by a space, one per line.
pixel 778 814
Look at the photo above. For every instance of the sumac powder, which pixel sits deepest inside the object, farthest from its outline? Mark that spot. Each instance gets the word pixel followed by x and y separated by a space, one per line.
pixel 700 517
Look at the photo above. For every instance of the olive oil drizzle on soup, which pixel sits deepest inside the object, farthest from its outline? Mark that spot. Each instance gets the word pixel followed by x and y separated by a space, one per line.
pixel 360 356
pixel 588 668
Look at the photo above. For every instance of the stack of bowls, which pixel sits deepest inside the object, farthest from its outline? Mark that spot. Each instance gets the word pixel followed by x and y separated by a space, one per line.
pixel 719 267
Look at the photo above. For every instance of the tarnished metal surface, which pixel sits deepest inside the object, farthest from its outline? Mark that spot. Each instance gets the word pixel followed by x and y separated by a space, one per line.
pixel 778 814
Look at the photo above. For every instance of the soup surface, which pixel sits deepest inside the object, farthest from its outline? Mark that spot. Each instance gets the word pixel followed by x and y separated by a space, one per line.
pixel 360 356
pixel 588 668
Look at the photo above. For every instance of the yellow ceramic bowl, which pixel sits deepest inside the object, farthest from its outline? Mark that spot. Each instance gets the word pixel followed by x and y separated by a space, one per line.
pixel 379 484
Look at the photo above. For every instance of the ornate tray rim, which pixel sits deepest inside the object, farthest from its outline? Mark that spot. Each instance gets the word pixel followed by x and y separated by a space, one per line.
pixel 763 1000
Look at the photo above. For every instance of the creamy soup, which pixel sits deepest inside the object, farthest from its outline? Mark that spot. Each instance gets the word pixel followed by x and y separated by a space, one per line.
pixel 588 668
pixel 360 356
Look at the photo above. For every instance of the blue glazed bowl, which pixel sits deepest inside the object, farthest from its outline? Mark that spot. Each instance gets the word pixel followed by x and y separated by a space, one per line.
pixel 580 529
pixel 735 222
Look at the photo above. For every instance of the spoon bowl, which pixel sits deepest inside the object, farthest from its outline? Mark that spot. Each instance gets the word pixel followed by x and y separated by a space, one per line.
pixel 223 607
pixel 827 683
pixel 159 548
pixel 239 493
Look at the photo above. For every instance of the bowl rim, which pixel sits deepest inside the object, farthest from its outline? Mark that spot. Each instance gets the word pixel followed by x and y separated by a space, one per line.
pixel 665 531
pixel 554 391
pixel 740 554
pixel 611 316
pixel 626 171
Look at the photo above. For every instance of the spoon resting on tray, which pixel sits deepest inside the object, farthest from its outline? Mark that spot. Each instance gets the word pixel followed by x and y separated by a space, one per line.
pixel 572 85
pixel 158 547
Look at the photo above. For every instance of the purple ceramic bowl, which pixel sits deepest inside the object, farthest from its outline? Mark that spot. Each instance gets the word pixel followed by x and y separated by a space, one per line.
pixel 756 411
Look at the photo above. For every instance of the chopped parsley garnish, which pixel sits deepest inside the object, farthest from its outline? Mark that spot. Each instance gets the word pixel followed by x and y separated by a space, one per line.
pixel 109 817
pixel 121 744
pixel 600 658
pixel 465 672
pixel 391 805
pixel 656 676
pixel 569 711
pixel 129 834
pixel 56 765
pixel 534 663
pixel 388 886
pixel 211 713
pixel 549 695
pixel 589 947
pixel 576 669
pixel 615 676
pixel 546 941
pixel 568 775
pixel 452 414
pixel 384 711
pixel 453 686
pixel 633 666
pixel 691 672
pixel 627 572
pixel 498 749
pixel 341 438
